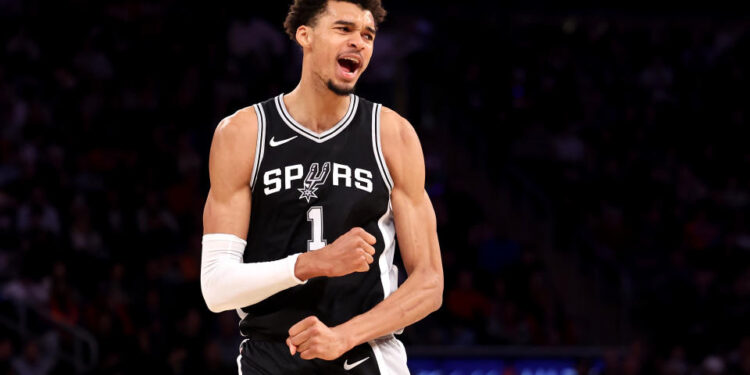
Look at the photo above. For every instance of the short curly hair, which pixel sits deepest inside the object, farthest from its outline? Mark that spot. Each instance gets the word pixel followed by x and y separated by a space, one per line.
pixel 305 12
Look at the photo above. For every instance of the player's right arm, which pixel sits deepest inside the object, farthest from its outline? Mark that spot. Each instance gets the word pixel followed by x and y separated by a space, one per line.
pixel 226 282
pixel 230 164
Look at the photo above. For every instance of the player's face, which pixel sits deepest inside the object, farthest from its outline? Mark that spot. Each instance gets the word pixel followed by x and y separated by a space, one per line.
pixel 341 45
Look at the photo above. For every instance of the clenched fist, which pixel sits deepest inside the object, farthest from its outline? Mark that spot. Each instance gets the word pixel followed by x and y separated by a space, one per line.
pixel 352 252
pixel 311 338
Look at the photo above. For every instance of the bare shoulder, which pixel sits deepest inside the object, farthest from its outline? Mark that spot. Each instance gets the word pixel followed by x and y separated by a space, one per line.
pixel 394 127
pixel 396 133
pixel 242 123
pixel 401 147
pixel 233 146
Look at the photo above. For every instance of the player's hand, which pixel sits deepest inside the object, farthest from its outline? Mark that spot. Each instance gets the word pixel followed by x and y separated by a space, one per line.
pixel 313 339
pixel 351 252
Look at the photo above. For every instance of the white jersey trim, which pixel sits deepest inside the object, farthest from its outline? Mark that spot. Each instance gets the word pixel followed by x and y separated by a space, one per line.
pixel 388 271
pixel 241 313
pixel 259 144
pixel 378 149
pixel 239 358
pixel 311 135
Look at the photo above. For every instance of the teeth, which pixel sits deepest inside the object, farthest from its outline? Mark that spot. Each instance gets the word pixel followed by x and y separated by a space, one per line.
pixel 351 59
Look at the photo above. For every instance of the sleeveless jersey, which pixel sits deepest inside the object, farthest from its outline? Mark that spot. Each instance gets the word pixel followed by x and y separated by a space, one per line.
pixel 307 190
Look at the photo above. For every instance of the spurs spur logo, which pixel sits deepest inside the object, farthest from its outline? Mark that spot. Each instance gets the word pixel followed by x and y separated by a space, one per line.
pixel 313 180
pixel 341 176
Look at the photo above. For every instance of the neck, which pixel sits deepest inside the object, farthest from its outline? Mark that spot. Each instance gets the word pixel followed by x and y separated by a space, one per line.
pixel 314 105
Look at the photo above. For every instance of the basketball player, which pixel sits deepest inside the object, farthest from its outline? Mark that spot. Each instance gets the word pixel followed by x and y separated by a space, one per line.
pixel 331 179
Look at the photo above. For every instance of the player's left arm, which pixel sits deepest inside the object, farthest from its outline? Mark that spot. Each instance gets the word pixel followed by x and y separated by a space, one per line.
pixel 416 230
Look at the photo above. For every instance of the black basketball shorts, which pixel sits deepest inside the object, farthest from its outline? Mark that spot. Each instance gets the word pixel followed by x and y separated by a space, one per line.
pixel 383 356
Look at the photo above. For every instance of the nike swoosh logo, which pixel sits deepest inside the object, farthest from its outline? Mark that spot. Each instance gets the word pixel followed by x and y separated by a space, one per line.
pixel 281 142
pixel 348 367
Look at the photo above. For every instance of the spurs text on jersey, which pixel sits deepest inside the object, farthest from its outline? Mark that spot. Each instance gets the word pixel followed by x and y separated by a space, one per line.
pixel 276 180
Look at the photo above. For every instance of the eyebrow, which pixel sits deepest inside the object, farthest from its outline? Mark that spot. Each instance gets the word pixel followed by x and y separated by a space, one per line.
pixel 352 24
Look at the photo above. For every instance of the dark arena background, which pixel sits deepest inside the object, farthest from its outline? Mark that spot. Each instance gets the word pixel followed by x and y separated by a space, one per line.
pixel 588 167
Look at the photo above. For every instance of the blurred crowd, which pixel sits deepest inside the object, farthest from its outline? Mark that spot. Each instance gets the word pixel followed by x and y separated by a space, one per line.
pixel 635 126
pixel 631 129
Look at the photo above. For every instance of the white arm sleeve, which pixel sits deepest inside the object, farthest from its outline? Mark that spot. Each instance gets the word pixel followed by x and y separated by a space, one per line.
pixel 227 283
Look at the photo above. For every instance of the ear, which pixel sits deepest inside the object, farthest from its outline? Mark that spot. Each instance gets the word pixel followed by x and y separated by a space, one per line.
pixel 304 36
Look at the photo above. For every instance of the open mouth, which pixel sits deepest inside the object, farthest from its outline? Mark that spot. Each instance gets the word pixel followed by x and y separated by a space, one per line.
pixel 349 65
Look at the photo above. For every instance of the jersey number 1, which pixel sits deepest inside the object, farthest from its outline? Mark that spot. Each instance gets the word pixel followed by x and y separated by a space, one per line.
pixel 315 214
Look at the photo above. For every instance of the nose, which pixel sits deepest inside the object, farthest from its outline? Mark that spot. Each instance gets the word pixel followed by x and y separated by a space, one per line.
pixel 356 42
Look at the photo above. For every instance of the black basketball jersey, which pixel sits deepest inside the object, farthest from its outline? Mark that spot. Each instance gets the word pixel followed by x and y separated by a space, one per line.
pixel 307 190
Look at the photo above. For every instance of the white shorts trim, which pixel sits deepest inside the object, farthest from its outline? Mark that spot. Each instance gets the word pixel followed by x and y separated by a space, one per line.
pixel 390 355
